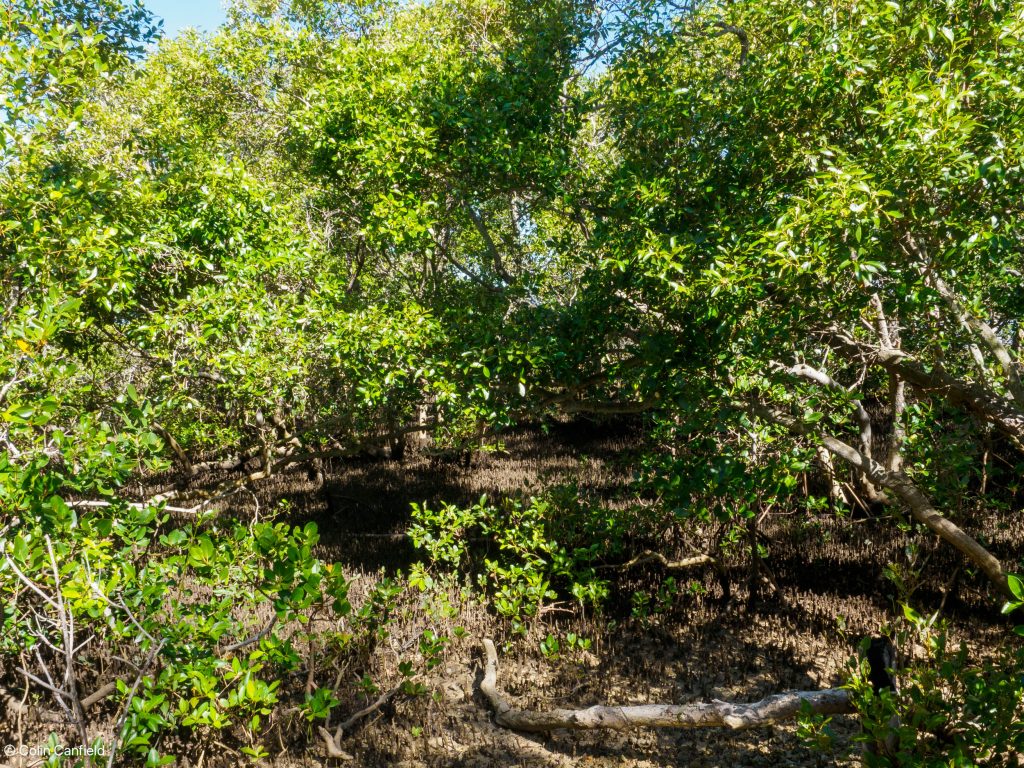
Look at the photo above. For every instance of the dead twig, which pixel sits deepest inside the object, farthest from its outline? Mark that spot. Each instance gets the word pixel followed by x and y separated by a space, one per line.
pixel 332 742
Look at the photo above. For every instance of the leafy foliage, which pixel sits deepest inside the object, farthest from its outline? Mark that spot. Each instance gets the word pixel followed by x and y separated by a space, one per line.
pixel 530 562
pixel 949 710
pixel 788 234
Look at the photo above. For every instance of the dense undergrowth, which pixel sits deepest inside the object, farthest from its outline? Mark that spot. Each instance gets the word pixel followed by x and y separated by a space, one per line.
pixel 233 631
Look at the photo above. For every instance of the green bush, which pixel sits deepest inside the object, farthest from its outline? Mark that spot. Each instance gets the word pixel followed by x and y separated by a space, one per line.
pixel 515 552
pixel 951 708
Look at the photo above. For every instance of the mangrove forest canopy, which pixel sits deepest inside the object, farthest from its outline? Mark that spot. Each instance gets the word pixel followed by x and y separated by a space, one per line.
pixel 773 247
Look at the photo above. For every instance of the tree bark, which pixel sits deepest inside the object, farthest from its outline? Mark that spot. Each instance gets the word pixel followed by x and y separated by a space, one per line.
pixel 920 506
pixel 1000 411
pixel 835 488
pixel 921 509
pixel 898 436
pixel 804 371
pixel 1011 368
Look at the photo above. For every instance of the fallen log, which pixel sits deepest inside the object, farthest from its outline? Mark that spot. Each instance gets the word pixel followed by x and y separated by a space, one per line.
pixel 714 714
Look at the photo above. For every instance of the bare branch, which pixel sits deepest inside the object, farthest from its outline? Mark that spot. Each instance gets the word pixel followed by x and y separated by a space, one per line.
pixel 492 249
pixel 119 727
pixel 998 410
pixel 29 583
pixel 254 639
pixel 1011 367
pixel 897 404
pixel 804 371
pixel 381 701
pixel 42 683
pixel 881 322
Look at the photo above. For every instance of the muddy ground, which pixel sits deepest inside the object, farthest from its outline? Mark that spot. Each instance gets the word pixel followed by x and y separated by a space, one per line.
pixel 821 590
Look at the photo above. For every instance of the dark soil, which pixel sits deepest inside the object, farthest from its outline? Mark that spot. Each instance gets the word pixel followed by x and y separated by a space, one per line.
pixel 822 589
pixel 825 590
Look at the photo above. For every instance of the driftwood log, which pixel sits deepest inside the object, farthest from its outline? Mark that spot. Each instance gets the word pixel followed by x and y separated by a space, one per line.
pixel 714 714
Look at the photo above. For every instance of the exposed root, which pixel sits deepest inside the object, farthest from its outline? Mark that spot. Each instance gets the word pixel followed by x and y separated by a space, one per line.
pixel 332 741
pixel 687 563
pixel 669 565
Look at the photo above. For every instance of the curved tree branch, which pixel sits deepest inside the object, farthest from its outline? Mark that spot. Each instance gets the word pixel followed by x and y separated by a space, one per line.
pixel 807 372
pixel 997 410
pixel 920 506
pixel 741 35
pixel 1011 367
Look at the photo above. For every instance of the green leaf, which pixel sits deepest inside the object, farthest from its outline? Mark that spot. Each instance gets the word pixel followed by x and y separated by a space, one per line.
pixel 201 554
pixel 1016 586
pixel 21 549
pixel 912 616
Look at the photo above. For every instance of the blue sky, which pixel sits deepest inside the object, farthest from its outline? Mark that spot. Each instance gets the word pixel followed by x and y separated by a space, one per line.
pixel 178 14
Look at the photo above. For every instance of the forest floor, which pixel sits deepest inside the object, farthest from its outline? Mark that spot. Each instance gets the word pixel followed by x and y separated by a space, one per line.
pixel 824 590
pixel 821 590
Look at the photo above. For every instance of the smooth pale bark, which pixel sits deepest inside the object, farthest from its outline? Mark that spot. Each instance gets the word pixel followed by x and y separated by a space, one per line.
pixel 921 509
pixel 1000 411
pixel 694 561
pixel 835 491
pixel 889 337
pixel 714 714
pixel 804 371
pixel 898 404
pixel 1010 366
